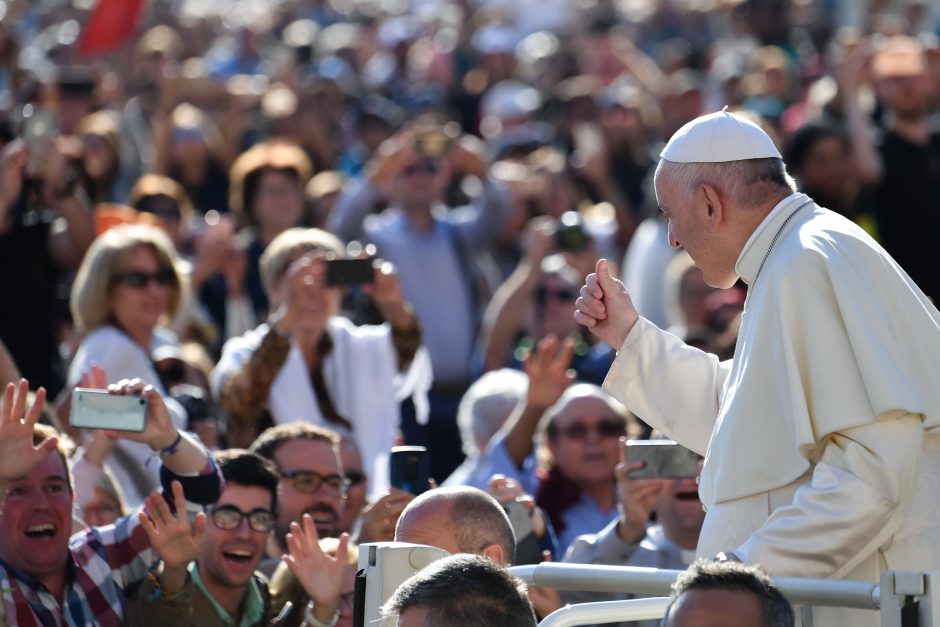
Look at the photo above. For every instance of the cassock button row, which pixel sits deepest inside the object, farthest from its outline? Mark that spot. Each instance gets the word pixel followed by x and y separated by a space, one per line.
pixel 704 509
pixel 698 480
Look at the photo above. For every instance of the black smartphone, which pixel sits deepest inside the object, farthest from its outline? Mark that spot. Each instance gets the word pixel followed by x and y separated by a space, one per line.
pixel 664 459
pixel 410 469
pixel 349 271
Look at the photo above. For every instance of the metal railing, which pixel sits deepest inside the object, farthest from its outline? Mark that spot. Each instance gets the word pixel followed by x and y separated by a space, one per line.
pixel 901 597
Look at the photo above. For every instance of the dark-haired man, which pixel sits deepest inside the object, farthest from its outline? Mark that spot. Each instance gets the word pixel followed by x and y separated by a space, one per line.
pixel 223 587
pixel 726 594
pixel 461 591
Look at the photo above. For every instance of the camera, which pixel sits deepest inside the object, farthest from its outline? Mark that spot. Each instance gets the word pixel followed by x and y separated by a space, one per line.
pixel 570 235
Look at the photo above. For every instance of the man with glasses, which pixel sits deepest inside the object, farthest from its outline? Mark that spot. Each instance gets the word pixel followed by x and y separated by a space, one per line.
pixel 223 586
pixel 311 479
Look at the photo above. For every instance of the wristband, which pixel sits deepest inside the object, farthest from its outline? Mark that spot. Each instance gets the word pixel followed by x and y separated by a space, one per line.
pixel 313 622
pixel 171 449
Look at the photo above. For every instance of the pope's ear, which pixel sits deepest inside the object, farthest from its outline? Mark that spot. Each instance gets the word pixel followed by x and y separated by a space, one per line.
pixel 712 201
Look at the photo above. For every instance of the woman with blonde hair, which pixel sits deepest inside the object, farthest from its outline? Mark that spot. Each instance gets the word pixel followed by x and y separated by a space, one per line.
pixel 127 286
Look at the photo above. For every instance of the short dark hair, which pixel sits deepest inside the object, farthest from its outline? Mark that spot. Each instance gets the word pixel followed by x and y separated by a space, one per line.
pixel 273 438
pixel 776 611
pixel 248 469
pixel 465 591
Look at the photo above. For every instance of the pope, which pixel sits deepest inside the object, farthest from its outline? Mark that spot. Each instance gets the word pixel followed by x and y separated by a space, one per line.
pixel 822 435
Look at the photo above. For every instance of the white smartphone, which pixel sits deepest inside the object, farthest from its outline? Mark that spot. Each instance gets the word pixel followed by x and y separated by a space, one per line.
pixel 96 409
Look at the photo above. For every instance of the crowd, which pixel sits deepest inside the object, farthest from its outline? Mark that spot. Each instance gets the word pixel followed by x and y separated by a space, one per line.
pixel 171 218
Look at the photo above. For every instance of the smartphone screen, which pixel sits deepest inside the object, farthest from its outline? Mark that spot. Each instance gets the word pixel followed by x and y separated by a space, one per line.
pixel 410 469
pixel 664 459
pixel 96 409
pixel 349 271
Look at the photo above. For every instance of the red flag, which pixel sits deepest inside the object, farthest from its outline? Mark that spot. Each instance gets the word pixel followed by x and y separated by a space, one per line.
pixel 110 24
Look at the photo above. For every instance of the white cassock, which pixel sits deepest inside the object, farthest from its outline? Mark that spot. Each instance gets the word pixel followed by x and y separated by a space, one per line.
pixel 822 435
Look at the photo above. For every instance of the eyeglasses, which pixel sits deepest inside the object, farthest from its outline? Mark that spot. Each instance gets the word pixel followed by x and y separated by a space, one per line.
pixel 139 279
pixel 605 428
pixel 310 482
pixel 355 477
pixel 542 294
pixel 228 517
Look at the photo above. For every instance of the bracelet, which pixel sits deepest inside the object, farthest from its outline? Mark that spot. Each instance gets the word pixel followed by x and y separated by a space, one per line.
pixel 171 449
pixel 313 622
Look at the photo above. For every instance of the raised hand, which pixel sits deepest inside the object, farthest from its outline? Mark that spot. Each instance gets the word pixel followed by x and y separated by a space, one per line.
pixel 605 306
pixel 173 539
pixel 548 370
pixel 18 454
pixel 320 574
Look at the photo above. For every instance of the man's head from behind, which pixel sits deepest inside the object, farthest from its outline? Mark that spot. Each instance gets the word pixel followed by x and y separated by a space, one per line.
pixel 461 591
pixel 36 517
pixel 459 520
pixel 727 594
pixel 239 522
pixel 311 478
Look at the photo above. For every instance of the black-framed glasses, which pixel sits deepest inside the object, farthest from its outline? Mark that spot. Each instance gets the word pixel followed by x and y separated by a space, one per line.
pixel 606 428
pixel 228 517
pixel 310 482
pixel 138 279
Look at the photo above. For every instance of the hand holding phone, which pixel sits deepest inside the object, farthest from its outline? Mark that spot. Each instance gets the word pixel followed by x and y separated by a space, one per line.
pixel 97 409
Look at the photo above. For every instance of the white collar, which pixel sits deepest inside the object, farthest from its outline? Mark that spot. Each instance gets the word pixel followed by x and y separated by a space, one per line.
pixel 758 245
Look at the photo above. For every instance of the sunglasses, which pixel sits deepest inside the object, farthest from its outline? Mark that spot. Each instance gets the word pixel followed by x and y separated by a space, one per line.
pixel 310 482
pixel 565 295
pixel 605 429
pixel 138 279
pixel 229 517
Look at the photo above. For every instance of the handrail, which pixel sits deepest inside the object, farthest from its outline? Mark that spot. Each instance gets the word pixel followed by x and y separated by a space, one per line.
pixel 606 612
pixel 654 581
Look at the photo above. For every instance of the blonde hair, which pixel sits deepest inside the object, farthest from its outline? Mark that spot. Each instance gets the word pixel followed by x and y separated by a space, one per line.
pixel 281 250
pixel 106 258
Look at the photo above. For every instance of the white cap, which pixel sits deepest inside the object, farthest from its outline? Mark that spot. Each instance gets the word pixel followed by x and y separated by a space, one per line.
pixel 719 137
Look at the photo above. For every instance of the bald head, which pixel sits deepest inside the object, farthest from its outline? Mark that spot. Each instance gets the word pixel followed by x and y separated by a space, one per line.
pixel 459 520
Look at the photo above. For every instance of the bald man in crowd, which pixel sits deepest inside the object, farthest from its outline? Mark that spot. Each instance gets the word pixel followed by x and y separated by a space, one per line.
pixel 459 520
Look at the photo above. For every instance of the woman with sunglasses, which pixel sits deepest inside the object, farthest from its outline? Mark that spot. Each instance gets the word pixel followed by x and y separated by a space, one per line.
pixel 575 484
pixel 127 286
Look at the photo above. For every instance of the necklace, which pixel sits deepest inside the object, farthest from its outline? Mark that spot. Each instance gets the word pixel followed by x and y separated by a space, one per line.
pixel 774 241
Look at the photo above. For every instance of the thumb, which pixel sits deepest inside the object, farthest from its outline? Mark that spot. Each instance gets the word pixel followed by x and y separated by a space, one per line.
pixel 605 279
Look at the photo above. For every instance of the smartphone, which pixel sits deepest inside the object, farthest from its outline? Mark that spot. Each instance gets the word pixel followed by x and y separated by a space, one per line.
pixel 349 271
pixel 410 469
pixel 96 409
pixel 664 459
pixel 38 130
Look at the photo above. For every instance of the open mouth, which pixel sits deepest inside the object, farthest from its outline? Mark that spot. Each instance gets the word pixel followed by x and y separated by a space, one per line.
pixel 239 557
pixel 690 495
pixel 44 530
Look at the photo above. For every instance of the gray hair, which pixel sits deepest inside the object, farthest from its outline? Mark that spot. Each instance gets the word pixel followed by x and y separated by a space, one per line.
pixel 776 611
pixel 487 404
pixel 464 591
pixel 749 182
